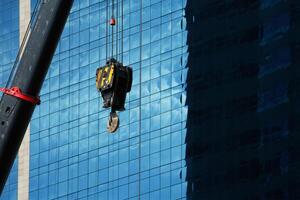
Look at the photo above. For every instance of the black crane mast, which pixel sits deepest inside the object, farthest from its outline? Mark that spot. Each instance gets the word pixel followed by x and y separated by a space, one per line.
pixel 21 93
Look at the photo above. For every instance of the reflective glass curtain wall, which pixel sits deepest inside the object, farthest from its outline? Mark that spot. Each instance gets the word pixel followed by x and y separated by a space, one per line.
pixel 9 45
pixel 72 155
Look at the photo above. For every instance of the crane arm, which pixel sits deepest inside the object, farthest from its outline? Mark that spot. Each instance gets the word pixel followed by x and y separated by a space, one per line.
pixel 21 95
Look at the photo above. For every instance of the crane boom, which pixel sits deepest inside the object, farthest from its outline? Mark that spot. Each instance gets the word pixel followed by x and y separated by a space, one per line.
pixel 20 96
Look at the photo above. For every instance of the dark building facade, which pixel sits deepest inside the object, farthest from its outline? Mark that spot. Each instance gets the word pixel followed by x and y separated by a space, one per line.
pixel 243 99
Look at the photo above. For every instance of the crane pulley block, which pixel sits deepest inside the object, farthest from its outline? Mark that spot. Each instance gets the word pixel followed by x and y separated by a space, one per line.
pixel 114 81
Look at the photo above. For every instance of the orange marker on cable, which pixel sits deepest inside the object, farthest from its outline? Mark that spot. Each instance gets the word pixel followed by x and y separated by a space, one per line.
pixel 112 21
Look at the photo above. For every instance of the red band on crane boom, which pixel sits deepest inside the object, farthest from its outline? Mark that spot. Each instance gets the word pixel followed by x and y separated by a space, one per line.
pixel 16 92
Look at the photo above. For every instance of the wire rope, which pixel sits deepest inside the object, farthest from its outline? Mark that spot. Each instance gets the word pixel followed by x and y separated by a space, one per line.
pixel 106 27
pixel 117 30
pixel 122 30
pixel 112 29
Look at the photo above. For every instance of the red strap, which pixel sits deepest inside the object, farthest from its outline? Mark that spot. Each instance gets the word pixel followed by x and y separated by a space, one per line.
pixel 16 92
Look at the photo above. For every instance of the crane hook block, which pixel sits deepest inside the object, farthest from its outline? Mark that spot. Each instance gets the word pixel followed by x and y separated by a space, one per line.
pixel 114 81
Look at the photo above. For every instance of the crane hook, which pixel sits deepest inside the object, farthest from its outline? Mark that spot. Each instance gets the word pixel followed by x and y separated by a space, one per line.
pixel 113 122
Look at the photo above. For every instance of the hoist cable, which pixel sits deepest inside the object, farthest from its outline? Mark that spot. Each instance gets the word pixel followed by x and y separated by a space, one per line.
pixel 116 19
pixel 117 39
pixel 122 30
pixel 112 29
pixel 106 26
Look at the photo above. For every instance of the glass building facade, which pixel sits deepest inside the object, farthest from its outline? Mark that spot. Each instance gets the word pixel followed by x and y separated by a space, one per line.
pixel 72 155
pixel 212 114
pixel 9 45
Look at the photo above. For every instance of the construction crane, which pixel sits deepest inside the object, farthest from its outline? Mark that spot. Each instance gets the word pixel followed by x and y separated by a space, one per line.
pixel 21 94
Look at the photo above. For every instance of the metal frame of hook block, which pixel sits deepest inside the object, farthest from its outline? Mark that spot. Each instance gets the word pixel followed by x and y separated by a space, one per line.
pixel 113 81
